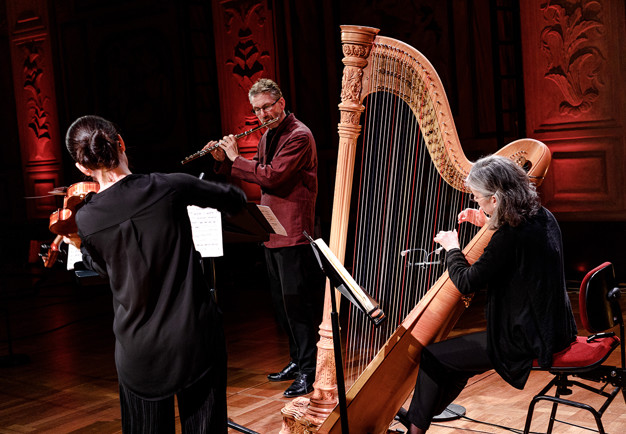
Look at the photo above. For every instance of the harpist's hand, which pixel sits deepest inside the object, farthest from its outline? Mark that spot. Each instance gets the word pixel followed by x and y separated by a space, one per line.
pixel 448 239
pixel 474 216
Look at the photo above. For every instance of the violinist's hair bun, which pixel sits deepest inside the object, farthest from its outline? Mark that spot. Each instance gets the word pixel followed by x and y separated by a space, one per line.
pixel 94 142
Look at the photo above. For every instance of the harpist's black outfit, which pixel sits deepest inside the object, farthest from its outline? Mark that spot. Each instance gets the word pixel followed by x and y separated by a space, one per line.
pixel 528 315
pixel 169 337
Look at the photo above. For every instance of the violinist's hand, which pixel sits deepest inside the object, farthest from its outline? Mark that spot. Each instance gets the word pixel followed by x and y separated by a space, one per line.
pixel 217 153
pixel 475 216
pixel 448 239
pixel 229 145
pixel 72 239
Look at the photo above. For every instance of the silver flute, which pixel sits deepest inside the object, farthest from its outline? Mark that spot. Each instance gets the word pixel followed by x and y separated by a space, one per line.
pixel 203 152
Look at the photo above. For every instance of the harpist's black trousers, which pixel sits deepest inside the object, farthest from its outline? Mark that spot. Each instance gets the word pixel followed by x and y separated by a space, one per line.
pixel 445 368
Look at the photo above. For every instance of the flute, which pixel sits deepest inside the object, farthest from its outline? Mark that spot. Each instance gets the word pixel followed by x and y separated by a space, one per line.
pixel 203 152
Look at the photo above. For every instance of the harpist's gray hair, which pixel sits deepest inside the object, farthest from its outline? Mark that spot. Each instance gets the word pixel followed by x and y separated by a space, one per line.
pixel 516 195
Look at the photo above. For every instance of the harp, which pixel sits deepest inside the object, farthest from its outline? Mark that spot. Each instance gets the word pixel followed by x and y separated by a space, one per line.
pixel 409 186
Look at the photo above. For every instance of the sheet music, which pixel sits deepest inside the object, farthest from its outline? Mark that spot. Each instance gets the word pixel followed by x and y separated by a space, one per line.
pixel 272 220
pixel 206 228
pixel 73 256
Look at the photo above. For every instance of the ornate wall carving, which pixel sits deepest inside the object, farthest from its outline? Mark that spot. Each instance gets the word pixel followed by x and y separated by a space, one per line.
pixel 33 78
pixel 245 52
pixel 37 117
pixel 573 71
pixel 574 46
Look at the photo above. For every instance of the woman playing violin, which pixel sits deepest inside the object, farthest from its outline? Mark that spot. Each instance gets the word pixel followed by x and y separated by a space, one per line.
pixel 528 310
pixel 135 230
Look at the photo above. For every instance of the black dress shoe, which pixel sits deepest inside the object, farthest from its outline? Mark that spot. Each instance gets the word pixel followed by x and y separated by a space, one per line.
pixel 302 385
pixel 289 372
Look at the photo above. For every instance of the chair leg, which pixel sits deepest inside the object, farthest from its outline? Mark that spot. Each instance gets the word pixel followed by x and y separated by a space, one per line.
pixel 552 416
pixel 557 400
pixel 531 407
pixel 555 404
pixel 529 416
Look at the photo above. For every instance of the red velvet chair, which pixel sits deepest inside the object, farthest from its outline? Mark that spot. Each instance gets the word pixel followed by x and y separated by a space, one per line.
pixel 599 312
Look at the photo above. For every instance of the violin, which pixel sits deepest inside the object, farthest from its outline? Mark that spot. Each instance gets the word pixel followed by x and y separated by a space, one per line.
pixel 63 221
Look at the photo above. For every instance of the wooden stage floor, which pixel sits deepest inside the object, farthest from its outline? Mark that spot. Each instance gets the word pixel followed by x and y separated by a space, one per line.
pixel 70 385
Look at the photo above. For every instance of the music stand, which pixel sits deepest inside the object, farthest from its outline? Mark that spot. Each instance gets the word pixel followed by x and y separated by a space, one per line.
pixel 250 225
pixel 339 278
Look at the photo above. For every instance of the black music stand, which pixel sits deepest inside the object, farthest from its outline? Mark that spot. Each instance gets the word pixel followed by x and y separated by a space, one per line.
pixel 247 226
pixel 376 316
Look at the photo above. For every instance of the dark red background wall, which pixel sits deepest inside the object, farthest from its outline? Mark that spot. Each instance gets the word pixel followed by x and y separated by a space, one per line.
pixel 154 67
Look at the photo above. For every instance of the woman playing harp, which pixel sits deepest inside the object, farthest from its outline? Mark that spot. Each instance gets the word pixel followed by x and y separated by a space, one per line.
pixel 410 186
pixel 528 310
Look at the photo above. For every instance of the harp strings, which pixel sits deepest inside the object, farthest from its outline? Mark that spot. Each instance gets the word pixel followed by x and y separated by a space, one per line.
pixel 402 202
pixel 356 345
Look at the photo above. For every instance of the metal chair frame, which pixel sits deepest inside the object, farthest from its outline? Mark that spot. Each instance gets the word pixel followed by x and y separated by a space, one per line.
pixel 599 373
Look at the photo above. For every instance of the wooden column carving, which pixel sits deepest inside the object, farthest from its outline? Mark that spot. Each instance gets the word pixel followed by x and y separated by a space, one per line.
pixel 245 52
pixel 36 104
pixel 575 103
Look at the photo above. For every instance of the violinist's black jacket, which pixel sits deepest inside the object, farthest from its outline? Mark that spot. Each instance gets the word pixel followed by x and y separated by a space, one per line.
pixel 137 233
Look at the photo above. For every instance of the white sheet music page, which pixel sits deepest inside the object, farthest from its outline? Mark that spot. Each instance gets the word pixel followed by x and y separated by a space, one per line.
pixel 272 220
pixel 73 256
pixel 206 228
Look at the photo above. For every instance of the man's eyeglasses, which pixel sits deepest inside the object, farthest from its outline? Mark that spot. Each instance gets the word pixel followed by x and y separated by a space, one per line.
pixel 266 107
